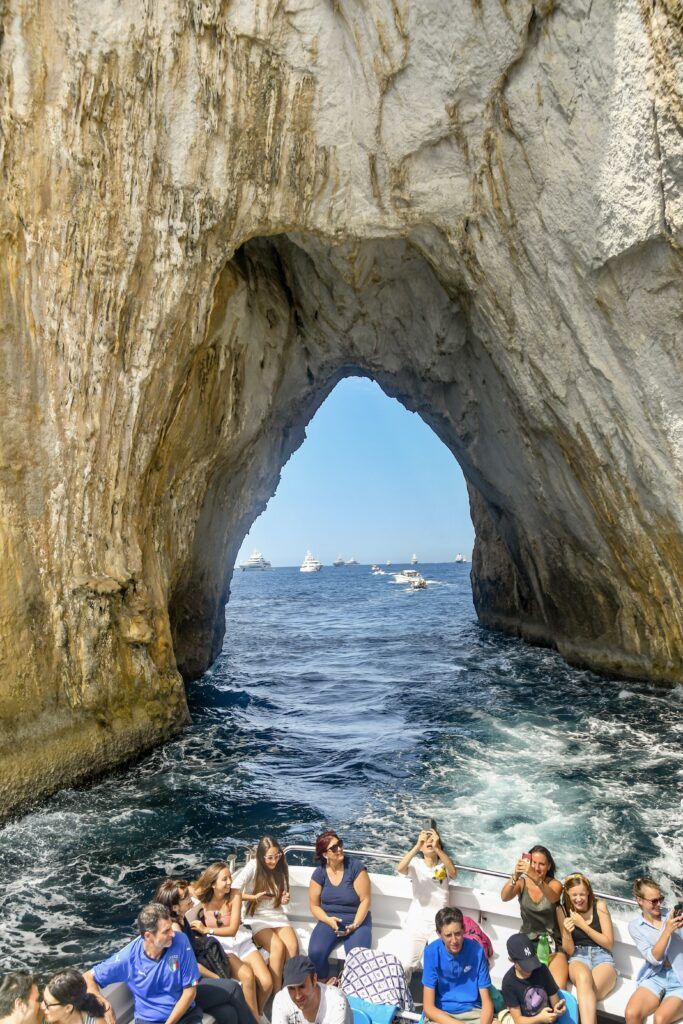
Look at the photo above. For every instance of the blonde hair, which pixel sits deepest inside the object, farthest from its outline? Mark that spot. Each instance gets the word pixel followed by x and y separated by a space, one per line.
pixel 203 887
pixel 570 881
pixel 643 882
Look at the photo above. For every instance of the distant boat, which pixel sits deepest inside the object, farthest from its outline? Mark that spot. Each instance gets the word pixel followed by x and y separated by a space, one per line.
pixel 352 561
pixel 420 584
pixel 413 559
pixel 387 563
pixel 459 557
pixel 338 561
pixel 255 561
pixel 407 576
pixel 310 564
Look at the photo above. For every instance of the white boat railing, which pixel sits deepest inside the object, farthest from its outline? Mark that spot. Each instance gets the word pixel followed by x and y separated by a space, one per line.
pixel 392 858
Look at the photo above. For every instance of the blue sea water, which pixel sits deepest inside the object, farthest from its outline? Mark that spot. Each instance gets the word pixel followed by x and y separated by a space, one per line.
pixel 343 699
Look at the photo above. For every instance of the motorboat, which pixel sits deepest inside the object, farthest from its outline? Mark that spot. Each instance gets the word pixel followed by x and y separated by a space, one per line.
pixel 255 561
pixel 407 576
pixel 459 558
pixel 413 559
pixel 338 561
pixel 310 564
pixel 420 584
pixel 387 562
pixel 351 561
pixel 391 897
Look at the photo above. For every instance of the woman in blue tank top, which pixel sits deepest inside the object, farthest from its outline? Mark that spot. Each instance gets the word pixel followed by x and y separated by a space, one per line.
pixel 339 896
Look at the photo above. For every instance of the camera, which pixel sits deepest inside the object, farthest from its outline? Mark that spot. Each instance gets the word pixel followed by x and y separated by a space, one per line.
pixel 677 910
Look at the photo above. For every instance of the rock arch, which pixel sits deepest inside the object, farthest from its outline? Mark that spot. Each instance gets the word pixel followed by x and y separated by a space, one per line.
pixel 213 211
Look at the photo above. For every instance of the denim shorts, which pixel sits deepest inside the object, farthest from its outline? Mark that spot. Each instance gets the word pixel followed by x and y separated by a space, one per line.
pixel 665 983
pixel 591 956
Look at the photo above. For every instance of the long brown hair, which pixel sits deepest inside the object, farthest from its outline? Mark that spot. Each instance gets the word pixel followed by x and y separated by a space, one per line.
pixel 273 880
pixel 570 881
pixel 203 887
pixel 169 893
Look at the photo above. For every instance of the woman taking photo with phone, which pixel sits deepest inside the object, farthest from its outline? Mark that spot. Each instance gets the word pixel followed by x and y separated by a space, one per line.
pixel 339 896
pixel 534 884
pixel 429 869
pixel 658 934
pixel 587 939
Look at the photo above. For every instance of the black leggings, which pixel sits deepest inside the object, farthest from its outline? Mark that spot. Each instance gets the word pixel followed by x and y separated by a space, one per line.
pixel 223 999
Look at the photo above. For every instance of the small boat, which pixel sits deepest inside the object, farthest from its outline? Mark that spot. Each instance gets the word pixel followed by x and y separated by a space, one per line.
pixel 413 559
pixel 387 563
pixel 351 561
pixel 420 584
pixel 459 558
pixel 255 561
pixel 310 564
pixel 407 576
pixel 338 561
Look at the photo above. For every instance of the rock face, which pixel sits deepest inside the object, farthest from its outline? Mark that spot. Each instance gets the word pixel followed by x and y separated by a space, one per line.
pixel 212 211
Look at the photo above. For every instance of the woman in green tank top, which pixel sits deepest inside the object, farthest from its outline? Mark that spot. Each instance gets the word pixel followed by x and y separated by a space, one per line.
pixel 534 884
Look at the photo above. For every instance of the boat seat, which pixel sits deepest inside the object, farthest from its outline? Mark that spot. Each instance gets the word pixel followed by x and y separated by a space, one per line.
pixel 121 999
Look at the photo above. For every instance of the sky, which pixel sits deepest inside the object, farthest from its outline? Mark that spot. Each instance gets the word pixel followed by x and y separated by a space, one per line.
pixel 371 481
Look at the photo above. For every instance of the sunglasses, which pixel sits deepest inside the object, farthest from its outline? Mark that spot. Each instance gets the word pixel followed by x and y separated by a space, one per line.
pixel 655 902
pixel 335 847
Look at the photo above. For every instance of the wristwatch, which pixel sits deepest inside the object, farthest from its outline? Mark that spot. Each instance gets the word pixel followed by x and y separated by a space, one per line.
pixel 210 931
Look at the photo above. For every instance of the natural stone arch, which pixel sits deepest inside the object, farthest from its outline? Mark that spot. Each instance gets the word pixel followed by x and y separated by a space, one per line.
pixel 213 211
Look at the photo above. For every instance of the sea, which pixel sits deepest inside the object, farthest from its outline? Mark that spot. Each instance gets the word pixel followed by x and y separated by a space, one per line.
pixel 343 699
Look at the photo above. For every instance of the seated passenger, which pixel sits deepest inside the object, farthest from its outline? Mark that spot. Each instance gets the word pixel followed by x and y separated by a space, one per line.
pixel 217 993
pixel 455 977
pixel 19 999
pixel 220 915
pixel 533 882
pixel 339 896
pixel 303 998
pixel 587 938
pixel 658 936
pixel 529 989
pixel 66 999
pixel 158 967
pixel 429 869
pixel 264 884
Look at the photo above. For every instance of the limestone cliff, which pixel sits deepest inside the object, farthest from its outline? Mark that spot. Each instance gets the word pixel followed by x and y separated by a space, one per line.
pixel 212 210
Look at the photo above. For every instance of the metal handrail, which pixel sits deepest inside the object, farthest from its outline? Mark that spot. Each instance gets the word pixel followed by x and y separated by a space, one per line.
pixel 378 855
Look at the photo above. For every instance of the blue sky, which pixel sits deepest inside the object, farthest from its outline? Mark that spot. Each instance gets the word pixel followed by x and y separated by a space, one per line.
pixel 371 481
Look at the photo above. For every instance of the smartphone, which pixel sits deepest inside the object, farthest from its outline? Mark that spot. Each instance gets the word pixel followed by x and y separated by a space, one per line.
pixel 428 825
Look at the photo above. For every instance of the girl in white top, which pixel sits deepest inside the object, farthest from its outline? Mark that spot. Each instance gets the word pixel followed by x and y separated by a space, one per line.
pixel 264 883
pixel 429 874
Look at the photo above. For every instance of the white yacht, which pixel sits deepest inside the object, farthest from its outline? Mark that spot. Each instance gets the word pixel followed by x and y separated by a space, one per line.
pixel 338 561
pixel 413 559
pixel 459 557
pixel 352 561
pixel 310 564
pixel 255 561
pixel 407 576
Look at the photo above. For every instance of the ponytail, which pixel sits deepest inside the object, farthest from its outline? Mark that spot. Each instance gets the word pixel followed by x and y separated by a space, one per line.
pixel 69 988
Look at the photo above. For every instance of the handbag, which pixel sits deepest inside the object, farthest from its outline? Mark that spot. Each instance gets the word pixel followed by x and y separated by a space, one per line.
pixel 210 954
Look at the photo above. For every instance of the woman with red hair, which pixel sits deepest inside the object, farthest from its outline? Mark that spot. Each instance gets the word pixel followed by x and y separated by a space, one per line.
pixel 339 896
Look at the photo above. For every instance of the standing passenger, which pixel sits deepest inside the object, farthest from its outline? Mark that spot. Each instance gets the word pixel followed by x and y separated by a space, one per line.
pixel 534 884
pixel 429 875
pixel 339 895
pixel 657 934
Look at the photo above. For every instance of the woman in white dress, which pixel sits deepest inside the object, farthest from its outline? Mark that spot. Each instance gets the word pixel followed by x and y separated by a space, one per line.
pixel 264 884
pixel 429 874
pixel 219 914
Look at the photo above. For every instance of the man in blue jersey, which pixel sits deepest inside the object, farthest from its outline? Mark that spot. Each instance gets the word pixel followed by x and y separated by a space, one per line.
pixel 159 968
pixel 456 976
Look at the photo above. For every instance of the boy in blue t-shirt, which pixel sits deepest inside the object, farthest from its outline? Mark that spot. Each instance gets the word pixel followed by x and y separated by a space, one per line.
pixel 456 976
pixel 159 968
